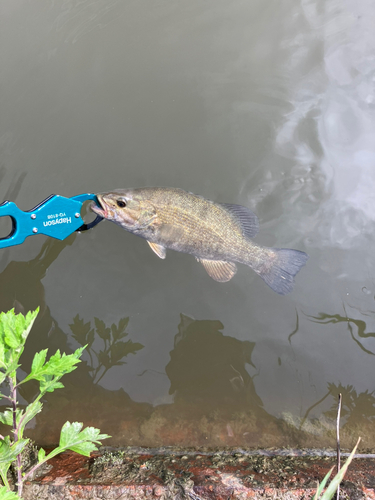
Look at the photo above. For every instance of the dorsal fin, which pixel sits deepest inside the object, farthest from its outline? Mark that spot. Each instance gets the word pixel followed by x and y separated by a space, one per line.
pixel 219 270
pixel 158 249
pixel 245 217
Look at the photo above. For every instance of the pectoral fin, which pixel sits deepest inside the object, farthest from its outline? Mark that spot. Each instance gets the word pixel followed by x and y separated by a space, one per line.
pixel 158 249
pixel 219 270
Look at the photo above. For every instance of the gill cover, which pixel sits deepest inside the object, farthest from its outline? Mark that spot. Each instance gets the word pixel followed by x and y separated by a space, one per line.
pixel 127 210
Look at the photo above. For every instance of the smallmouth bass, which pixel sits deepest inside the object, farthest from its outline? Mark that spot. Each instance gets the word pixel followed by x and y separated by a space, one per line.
pixel 217 234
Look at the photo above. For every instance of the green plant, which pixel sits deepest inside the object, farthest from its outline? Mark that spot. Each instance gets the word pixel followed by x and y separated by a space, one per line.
pixel 332 488
pixel 14 330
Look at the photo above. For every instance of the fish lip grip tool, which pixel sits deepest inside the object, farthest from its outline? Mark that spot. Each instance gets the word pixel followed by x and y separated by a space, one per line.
pixel 56 216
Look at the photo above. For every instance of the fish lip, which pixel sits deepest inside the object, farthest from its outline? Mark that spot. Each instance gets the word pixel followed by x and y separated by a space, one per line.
pixel 98 208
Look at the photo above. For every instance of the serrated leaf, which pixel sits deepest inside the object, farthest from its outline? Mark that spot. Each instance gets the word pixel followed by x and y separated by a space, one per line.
pixel 8 495
pixel 39 360
pixel 53 369
pixel 49 383
pixel 14 328
pixel 81 441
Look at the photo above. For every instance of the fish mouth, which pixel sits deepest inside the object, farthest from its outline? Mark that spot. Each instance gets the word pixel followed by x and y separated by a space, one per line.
pixel 99 207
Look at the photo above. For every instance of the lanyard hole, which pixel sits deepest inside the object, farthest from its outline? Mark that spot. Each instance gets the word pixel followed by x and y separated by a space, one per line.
pixel 6 226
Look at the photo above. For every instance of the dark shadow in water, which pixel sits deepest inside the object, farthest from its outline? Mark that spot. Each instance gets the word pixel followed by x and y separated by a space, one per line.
pixel 359 325
pixel 114 349
pixel 208 368
pixel 21 288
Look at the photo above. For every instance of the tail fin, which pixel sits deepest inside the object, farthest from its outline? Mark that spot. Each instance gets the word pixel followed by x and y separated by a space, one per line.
pixel 280 277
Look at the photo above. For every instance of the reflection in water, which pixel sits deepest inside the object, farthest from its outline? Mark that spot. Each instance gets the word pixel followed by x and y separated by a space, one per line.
pixel 215 399
pixel 360 326
pixel 82 399
pixel 207 366
pixel 77 20
pixel 357 412
pixel 21 287
pixel 114 349
pixel 357 409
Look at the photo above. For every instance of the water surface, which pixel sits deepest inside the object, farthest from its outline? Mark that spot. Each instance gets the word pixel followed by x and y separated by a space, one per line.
pixel 269 105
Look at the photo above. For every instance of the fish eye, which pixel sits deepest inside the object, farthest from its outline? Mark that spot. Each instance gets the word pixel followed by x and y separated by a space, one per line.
pixel 121 203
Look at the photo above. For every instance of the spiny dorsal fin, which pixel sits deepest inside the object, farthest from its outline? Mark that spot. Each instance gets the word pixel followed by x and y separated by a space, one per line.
pixel 219 270
pixel 245 217
pixel 158 249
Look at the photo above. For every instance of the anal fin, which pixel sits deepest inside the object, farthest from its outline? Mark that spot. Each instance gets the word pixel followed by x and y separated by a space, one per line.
pixel 219 270
pixel 158 249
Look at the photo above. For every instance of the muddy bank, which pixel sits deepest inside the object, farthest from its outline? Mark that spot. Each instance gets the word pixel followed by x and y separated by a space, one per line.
pixel 183 474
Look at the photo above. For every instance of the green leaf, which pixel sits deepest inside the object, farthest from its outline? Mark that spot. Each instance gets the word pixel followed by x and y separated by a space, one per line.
pixel 41 455
pixel 80 441
pixel 14 328
pixel 2 355
pixel 6 417
pixel 49 383
pixel 8 451
pixel 12 365
pixel 39 360
pixel 53 369
pixel 332 488
pixel 8 454
pixel 27 415
pixel 322 485
pixel 22 416
pixel 5 494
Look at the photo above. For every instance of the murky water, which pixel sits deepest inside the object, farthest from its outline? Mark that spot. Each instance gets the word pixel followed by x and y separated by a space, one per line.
pixel 269 105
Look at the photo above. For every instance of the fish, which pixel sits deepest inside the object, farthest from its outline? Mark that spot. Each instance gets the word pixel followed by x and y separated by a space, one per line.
pixel 218 235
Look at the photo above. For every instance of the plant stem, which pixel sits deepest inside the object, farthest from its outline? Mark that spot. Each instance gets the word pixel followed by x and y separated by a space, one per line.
pixel 52 454
pixel 338 443
pixel 101 376
pixel 13 391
